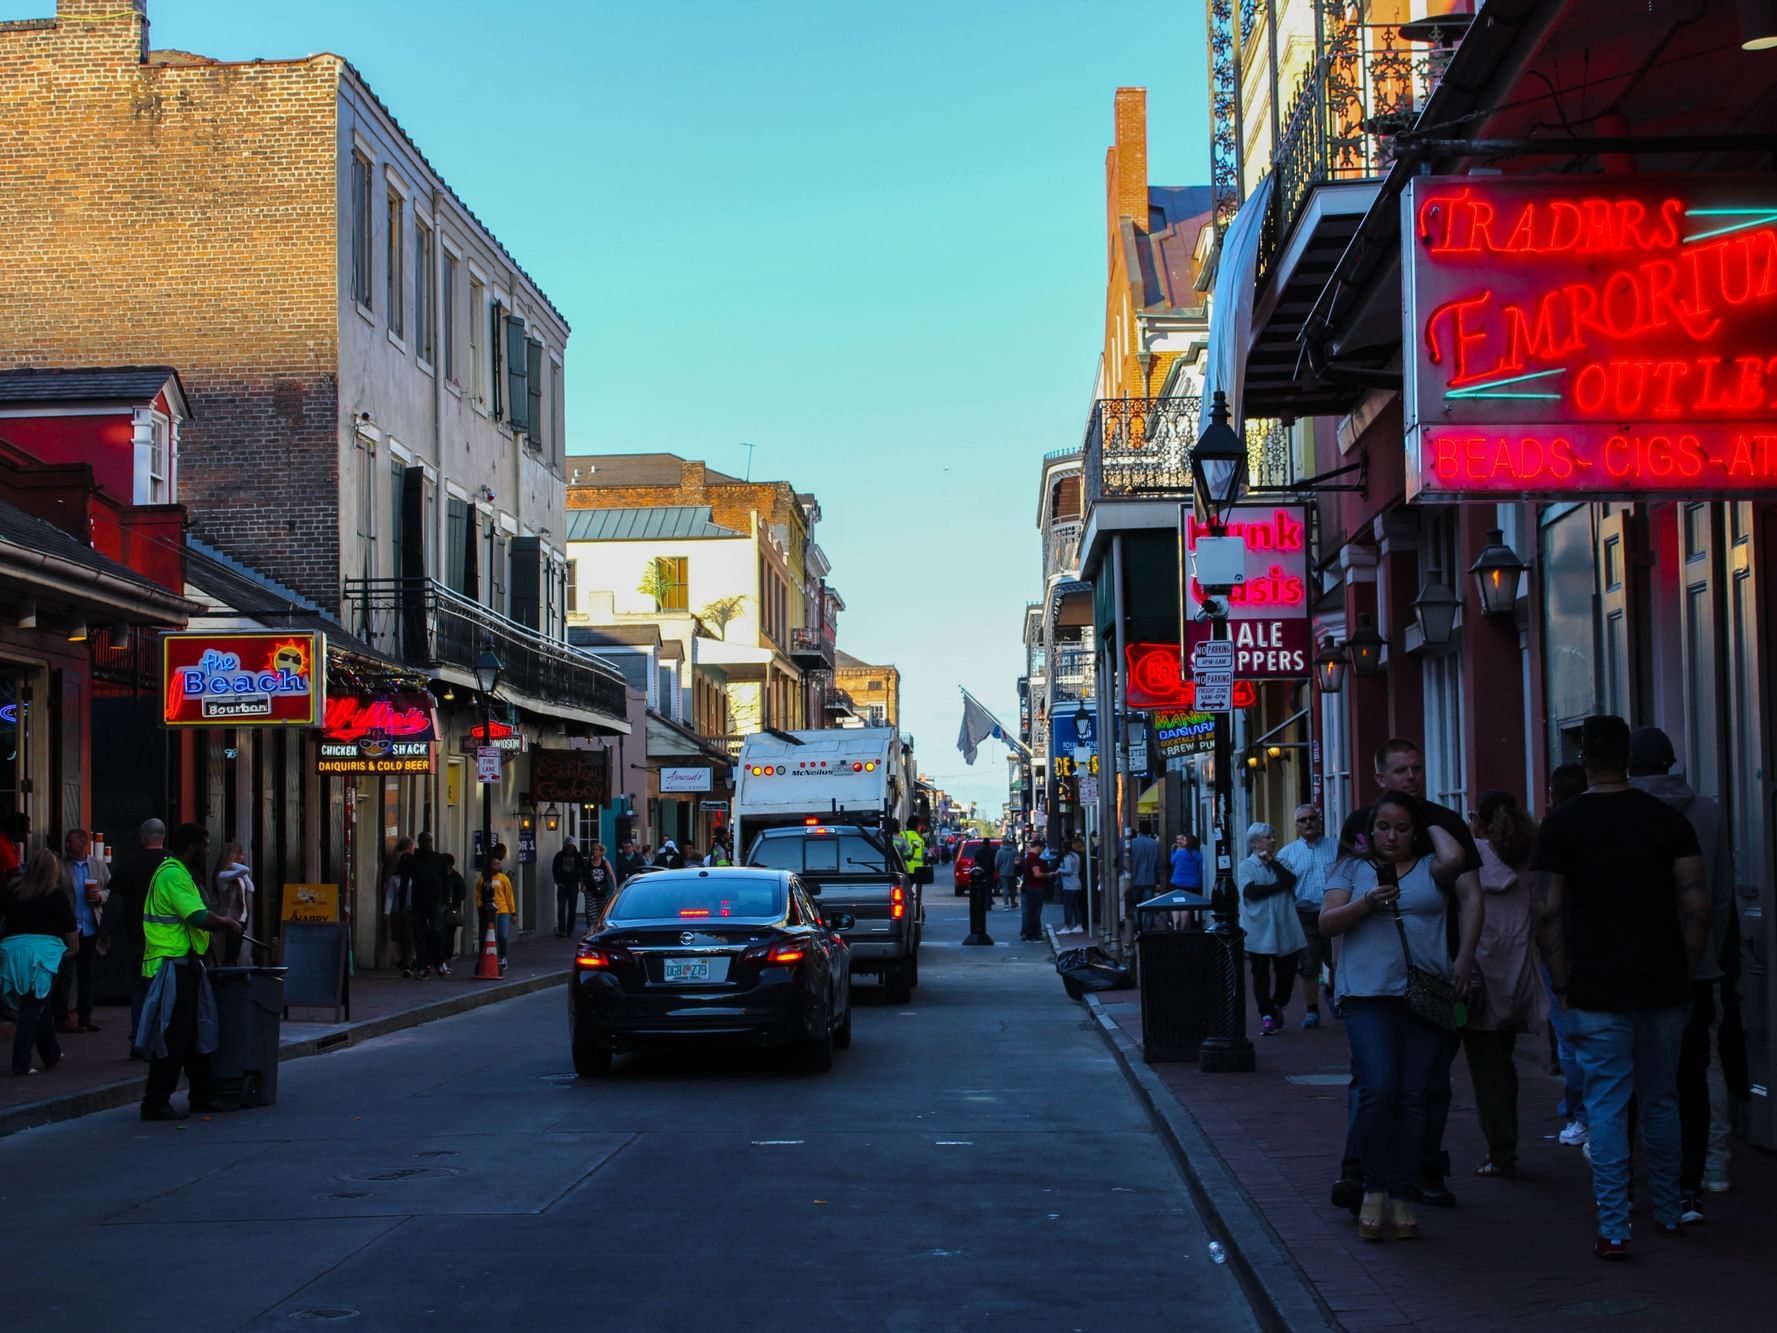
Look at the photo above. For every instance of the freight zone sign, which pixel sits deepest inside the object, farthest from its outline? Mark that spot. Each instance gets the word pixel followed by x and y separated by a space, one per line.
pixel 1574 336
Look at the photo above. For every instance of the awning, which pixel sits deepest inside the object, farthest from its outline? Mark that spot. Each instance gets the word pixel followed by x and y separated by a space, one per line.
pixel 1231 313
pixel 742 660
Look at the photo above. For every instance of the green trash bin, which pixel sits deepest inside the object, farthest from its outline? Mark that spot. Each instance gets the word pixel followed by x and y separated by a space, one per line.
pixel 1177 960
pixel 249 1015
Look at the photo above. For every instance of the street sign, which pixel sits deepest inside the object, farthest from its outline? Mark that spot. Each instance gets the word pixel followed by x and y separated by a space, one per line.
pixel 1215 698
pixel 1138 751
pixel 1088 791
pixel 1215 679
pixel 1213 653
pixel 487 763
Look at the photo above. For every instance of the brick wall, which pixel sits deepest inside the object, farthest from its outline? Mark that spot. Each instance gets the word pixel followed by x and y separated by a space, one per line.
pixel 185 214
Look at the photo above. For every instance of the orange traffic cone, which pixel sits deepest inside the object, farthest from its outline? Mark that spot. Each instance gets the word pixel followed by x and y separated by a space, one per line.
pixel 488 969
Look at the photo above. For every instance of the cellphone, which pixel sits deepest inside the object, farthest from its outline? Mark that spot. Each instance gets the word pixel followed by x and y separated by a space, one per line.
pixel 1386 874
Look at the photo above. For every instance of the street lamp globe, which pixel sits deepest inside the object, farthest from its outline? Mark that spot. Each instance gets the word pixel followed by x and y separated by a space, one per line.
pixel 1496 572
pixel 1435 609
pixel 1329 666
pixel 1082 719
pixel 1365 646
pixel 488 668
pixel 1218 465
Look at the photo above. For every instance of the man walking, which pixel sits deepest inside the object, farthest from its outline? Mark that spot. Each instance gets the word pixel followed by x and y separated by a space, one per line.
pixel 1005 870
pixel 629 860
pixel 569 871
pixel 425 906
pixel 1036 889
pixel 1623 924
pixel 1144 867
pixel 1309 858
pixel 395 907
pixel 84 882
pixel 178 1028
pixel 1702 1092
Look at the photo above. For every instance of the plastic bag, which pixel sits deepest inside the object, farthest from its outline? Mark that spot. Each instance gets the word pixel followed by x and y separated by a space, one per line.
pixel 1090 968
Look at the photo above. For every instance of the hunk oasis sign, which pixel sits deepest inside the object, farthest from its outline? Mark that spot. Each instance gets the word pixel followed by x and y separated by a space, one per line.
pixel 1268 612
pixel 1596 336
pixel 243 679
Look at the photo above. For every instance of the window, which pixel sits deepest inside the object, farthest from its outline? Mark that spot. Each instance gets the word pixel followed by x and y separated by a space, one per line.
pixel 397 527
pixel 573 597
pixel 456 544
pixel 425 293
pixel 394 275
pixel 452 280
pixel 159 435
pixel 495 336
pixel 367 510
pixel 361 229
pixel 678 588
pixel 477 343
pixel 558 440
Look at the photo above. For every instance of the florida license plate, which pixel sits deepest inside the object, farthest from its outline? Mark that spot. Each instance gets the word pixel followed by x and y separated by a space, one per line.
pixel 687 969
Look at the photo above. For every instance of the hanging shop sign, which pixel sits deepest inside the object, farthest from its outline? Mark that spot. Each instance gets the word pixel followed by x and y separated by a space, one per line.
pixel 374 755
pixel 1590 336
pixel 1156 680
pixel 1268 610
pixel 1179 733
pixel 243 679
pixel 569 777
pixel 685 779
pixel 405 715
pixel 500 736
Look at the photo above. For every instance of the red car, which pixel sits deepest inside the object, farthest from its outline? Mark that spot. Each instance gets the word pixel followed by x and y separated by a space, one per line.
pixel 970 852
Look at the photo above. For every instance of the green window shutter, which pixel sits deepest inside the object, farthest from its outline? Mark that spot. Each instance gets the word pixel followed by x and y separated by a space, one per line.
pixel 533 370
pixel 527 581
pixel 518 398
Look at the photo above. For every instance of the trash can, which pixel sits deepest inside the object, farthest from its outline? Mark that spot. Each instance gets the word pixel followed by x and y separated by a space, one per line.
pixel 1177 961
pixel 249 1011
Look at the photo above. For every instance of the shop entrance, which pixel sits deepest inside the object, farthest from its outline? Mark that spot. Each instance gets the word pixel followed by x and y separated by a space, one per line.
pixel 16 697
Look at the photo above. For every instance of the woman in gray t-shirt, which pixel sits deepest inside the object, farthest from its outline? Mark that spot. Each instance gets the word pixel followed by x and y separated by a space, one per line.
pixel 1393 1052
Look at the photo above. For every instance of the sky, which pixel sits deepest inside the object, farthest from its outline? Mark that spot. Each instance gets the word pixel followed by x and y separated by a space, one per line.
pixel 867 239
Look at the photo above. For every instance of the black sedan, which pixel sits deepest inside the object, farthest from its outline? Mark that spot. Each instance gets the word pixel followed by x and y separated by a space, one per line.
pixel 719 951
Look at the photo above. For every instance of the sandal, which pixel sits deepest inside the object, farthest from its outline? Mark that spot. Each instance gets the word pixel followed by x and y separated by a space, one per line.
pixel 1406 1226
pixel 1369 1217
pixel 1504 1170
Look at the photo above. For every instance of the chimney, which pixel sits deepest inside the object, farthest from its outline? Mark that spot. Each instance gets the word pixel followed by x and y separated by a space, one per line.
pixel 691 479
pixel 1126 164
pixel 124 22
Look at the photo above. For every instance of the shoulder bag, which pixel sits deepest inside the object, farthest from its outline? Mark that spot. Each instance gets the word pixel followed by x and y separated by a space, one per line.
pixel 1429 996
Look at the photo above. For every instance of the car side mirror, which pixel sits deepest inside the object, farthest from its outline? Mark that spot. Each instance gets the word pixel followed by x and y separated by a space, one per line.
pixel 841 921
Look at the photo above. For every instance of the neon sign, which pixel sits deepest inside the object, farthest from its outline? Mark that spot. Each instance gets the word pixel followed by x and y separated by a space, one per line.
pixel 1268 612
pixel 1590 336
pixel 1155 680
pixel 405 714
pixel 242 679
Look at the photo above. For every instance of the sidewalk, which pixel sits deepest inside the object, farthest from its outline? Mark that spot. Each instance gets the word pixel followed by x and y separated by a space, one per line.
pixel 96 1073
pixel 1517 1250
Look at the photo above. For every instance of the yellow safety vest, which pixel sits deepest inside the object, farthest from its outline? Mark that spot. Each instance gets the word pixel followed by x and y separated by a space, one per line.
pixel 173 900
pixel 916 850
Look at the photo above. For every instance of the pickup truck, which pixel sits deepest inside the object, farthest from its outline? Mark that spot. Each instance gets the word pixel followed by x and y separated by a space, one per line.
pixel 854 869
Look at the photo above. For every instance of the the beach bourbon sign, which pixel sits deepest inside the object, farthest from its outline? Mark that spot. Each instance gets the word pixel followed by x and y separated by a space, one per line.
pixel 1574 336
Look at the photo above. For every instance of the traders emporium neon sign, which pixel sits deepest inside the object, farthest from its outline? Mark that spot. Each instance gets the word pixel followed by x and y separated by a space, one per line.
pixel 1591 335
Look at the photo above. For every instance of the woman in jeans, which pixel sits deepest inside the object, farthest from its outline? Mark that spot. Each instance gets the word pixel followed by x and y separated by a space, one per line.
pixel 1274 935
pixel 1073 882
pixel 1393 1051
pixel 40 929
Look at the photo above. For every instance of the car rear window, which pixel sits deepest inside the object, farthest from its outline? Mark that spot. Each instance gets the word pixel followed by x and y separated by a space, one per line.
pixel 820 854
pixel 663 897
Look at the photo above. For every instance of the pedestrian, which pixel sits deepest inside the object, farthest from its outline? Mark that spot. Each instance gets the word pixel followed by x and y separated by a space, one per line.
pixel 121 923
pixel 83 880
pixel 1144 867
pixel 600 879
pixel 1035 891
pixel 1310 858
pixel 1072 874
pixel 233 896
pixel 1186 863
pixel 1388 910
pixel 669 856
pixel 719 853
pixel 456 895
pixel 395 906
pixel 629 860
pixel 1005 870
pixel 568 868
pixel 40 930
pixel 425 905
pixel 15 834
pixel 1510 999
pixel 1274 938
pixel 179 1016
pixel 1702 1089
pixel 1623 925
pixel 494 892
pixel 1566 781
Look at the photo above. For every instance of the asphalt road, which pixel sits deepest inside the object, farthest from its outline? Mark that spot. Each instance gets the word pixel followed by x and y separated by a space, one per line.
pixel 975 1159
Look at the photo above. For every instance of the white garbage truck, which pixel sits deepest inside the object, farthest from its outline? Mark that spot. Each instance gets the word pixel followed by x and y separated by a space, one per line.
pixel 854 775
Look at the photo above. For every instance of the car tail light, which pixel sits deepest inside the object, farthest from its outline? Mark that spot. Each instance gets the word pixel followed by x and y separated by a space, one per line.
pixel 591 959
pixel 898 903
pixel 694 911
pixel 786 953
pixel 811 821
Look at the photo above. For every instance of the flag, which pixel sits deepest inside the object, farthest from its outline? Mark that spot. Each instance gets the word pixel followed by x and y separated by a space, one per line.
pixel 978 725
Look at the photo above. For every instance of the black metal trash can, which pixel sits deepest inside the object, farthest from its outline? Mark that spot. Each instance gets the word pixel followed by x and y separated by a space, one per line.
pixel 1177 961
pixel 249 1013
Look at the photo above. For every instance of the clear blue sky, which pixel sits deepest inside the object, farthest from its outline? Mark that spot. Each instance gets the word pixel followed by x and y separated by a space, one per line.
pixel 869 238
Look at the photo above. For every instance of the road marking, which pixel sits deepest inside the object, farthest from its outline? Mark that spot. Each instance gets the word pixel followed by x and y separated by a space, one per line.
pixel 954 1143
pixel 776 1143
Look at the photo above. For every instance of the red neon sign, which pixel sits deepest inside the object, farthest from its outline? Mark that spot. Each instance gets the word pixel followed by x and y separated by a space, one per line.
pixel 502 731
pixel 1268 613
pixel 402 716
pixel 244 679
pixel 1156 681
pixel 1610 336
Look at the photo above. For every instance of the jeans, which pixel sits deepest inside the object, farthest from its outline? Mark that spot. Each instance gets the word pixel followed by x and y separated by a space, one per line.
pixel 428 949
pixel 1434 1162
pixel 566 897
pixel 138 998
pixel 1274 977
pixel 85 957
pixel 1031 925
pixel 1392 1058
pixel 1495 1076
pixel 34 1028
pixel 502 932
pixel 182 1053
pixel 1317 954
pixel 1573 1091
pixel 1695 1120
pixel 1624 1055
pixel 1073 905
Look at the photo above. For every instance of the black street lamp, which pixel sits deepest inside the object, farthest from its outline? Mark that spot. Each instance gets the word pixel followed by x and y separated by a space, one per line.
pixel 1329 666
pixel 1435 609
pixel 1218 465
pixel 1365 646
pixel 1496 572
pixel 487 678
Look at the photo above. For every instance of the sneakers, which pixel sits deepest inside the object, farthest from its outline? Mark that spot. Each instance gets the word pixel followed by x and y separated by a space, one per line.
pixel 1586 1148
pixel 1715 1181
pixel 1267 1026
pixel 1691 1209
pixel 444 969
pixel 1311 1019
pixel 1605 1248
pixel 1575 1134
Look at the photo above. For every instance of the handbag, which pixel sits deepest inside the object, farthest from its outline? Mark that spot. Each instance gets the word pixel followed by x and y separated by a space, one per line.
pixel 1429 996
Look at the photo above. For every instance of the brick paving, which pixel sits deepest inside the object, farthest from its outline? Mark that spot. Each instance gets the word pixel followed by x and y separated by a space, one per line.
pixel 1512 1252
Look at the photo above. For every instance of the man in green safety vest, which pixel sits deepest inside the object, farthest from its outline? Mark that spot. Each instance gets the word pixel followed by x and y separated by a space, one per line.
pixel 178 1028
pixel 916 852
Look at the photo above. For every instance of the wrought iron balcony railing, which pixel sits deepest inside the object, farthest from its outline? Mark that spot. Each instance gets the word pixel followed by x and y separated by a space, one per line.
pixel 1141 448
pixel 425 624
pixel 807 642
pixel 1062 556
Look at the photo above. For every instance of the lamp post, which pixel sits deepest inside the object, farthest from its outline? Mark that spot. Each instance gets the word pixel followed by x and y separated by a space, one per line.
pixel 1088 814
pixel 1436 609
pixel 1496 572
pixel 487 678
pixel 1218 469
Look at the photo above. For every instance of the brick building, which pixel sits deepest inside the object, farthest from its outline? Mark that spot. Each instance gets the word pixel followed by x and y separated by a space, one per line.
pixel 873 692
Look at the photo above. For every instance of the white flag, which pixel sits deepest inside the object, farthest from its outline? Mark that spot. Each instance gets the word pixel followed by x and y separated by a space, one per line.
pixel 978 725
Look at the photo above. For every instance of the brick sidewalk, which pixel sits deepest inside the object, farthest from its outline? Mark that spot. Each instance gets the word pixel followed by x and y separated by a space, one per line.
pixel 1513 1250
pixel 96 1072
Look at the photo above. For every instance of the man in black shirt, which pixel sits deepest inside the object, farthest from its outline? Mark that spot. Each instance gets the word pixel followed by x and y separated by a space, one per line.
pixel 568 868
pixel 425 906
pixel 1624 919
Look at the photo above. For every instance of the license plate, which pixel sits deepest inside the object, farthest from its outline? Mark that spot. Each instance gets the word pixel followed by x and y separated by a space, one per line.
pixel 687 969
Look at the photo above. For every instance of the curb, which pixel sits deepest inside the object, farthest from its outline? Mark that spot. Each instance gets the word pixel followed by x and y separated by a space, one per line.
pixel 110 1096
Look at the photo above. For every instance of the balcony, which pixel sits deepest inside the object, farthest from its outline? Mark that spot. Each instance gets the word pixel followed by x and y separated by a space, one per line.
pixel 1061 558
pixel 811 649
pixel 427 625
pixel 1140 449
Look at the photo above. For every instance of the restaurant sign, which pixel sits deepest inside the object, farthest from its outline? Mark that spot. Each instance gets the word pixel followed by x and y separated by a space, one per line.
pixel 374 756
pixel 1268 611
pixel 1178 733
pixel 569 777
pixel 243 679
pixel 1574 336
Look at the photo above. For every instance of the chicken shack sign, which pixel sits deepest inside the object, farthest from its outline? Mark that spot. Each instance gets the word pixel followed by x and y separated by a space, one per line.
pixel 1574 336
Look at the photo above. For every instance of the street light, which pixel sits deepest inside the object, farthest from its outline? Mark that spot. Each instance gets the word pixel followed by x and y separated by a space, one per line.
pixel 1218 465
pixel 1435 609
pixel 1329 666
pixel 1496 572
pixel 1365 646
pixel 552 818
pixel 487 677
